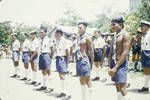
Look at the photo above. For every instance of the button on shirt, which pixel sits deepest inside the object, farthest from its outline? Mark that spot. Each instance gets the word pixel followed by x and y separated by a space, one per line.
pixel 26 45
pixel 35 44
pixel 16 45
pixel 61 46
pixel 45 45
pixel 99 42
pixel 146 42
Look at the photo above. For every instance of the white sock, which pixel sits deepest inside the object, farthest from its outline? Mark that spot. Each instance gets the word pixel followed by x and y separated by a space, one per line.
pixel 119 96
pixel 49 82
pixel 34 76
pixel 83 90
pixel 128 77
pixel 97 72
pixel 90 93
pixel 17 69
pixel 26 73
pixel 126 97
pixel 16 72
pixel 147 78
pixel 63 86
pixel 45 80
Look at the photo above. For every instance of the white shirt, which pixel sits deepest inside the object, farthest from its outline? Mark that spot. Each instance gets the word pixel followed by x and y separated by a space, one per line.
pixel 99 42
pixel 146 42
pixel 45 45
pixel 26 45
pixel 61 46
pixel 35 44
pixel 16 45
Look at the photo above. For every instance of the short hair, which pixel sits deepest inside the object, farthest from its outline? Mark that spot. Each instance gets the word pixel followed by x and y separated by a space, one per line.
pixel 33 32
pixel 83 23
pixel 26 34
pixel 59 31
pixel 118 19
pixel 144 22
pixel 44 29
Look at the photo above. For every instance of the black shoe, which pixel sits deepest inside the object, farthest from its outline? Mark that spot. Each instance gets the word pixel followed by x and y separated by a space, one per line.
pixel 37 84
pixel 49 90
pixel 61 95
pixel 23 79
pixel 68 97
pixel 96 79
pixel 128 85
pixel 143 89
pixel 33 83
pixel 41 88
pixel 14 76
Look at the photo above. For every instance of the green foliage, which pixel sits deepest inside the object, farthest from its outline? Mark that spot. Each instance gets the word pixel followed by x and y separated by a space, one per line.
pixel 21 28
pixel 5 31
pixel 102 22
pixel 70 18
pixel 133 19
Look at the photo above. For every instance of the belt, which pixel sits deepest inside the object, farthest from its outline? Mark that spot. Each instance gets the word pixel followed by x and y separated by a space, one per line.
pixel 45 53
pixel 60 56
pixel 25 51
pixel 98 48
pixel 15 51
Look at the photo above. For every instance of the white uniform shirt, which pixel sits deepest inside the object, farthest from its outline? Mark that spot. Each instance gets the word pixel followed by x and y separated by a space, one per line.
pixel 146 42
pixel 35 44
pixel 16 45
pixel 61 46
pixel 99 42
pixel 26 45
pixel 45 45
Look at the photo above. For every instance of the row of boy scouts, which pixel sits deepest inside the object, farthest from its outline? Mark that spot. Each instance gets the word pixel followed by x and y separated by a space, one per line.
pixel 88 52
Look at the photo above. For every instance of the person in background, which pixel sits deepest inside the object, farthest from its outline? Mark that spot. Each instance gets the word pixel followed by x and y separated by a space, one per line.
pixel 15 55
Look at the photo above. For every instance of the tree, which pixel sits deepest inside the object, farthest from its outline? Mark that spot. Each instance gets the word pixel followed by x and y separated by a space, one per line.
pixel 102 22
pixel 5 31
pixel 133 19
pixel 70 18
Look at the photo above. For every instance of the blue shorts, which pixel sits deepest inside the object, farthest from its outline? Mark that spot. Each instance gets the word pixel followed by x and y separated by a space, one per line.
pixel 98 55
pixel 121 74
pixel 61 64
pixel 107 51
pixel 145 58
pixel 15 55
pixel 44 61
pixel 83 67
pixel 25 57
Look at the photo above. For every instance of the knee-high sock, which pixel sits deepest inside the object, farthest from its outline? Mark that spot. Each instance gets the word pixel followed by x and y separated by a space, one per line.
pixel 83 92
pixel 16 72
pixel 97 72
pixel 34 76
pixel 26 73
pixel 119 96
pixel 90 93
pixel 45 80
pixel 63 86
pixel 126 97
pixel 49 82
pixel 147 79
pixel 17 69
